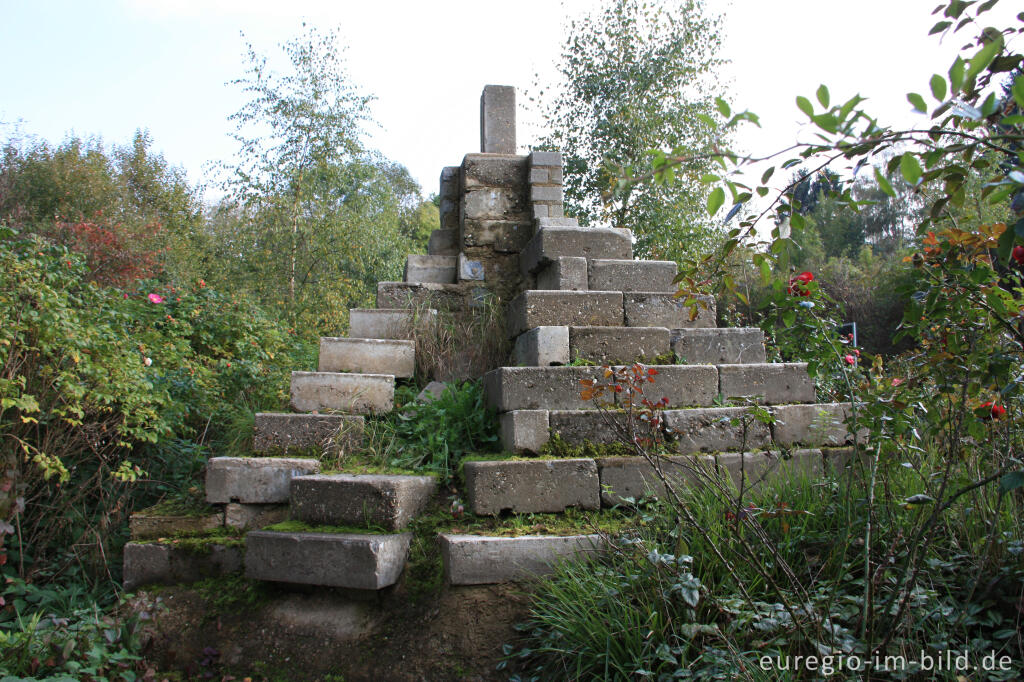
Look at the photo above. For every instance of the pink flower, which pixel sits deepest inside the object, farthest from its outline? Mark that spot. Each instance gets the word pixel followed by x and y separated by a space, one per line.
pixel 897 381
pixel 850 360
pixel 126 295
pixel 156 298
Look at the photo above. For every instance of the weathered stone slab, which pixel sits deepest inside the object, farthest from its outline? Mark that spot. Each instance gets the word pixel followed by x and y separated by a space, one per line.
pixel 538 388
pixel 524 430
pixel 579 426
pixel 552 193
pixel 494 170
pixel 555 308
pixel 812 425
pixel 757 467
pixel 531 486
pixel 506 236
pixel 617 345
pixel 280 433
pixel 710 429
pixel 253 516
pixel 632 275
pixel 453 297
pixel 484 560
pixel 470 270
pixel 552 242
pixel 254 480
pixel 774 383
pixel 443 243
pixel 369 500
pixel 353 560
pixel 498 120
pixel 152 563
pixel 353 393
pixel 489 203
pixel 624 478
pixel 655 309
pixel 564 274
pixel 542 347
pixel 144 526
pixel 388 323
pixel 683 385
pixel 719 346
pixel 421 269
pixel 371 356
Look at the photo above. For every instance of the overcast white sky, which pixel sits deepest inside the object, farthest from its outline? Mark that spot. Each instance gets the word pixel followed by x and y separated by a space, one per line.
pixel 107 67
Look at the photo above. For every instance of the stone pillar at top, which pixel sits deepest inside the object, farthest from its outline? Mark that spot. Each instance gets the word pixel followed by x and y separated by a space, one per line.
pixel 498 120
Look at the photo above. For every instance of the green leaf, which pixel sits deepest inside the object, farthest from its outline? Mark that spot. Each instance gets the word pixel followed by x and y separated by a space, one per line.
pixel 910 168
pixel 917 101
pixel 805 106
pixel 823 95
pixel 797 222
pixel 940 27
pixel 956 75
pixel 1018 90
pixel 723 107
pixel 715 200
pixel 1006 242
pixel 938 84
pixel 1011 481
pixel 767 175
pixel 983 58
pixel 883 183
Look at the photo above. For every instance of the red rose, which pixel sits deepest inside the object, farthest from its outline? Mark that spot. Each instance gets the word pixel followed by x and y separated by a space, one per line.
pixel 995 411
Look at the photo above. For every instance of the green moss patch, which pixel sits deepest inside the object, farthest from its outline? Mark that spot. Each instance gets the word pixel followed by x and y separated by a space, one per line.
pixel 295 526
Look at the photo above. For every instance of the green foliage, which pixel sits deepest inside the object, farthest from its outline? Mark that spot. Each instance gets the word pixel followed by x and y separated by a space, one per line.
pixel 635 76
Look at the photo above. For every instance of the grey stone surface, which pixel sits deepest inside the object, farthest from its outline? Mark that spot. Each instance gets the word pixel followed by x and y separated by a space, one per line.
pixel 635 477
pixel 164 564
pixel 617 345
pixel 579 426
pixel 470 270
pixel 352 393
pixel 505 236
pixel 545 159
pixel 524 430
pixel 542 347
pixel 254 480
pixel 388 323
pixel 658 309
pixel 559 222
pixel 757 467
pixel 277 433
pixel 540 211
pixel 710 429
pixel 683 385
pixel 145 526
pixel 632 275
pixel 370 356
pixel 431 392
pixel 571 308
pixel 253 516
pixel 421 269
pixel 498 120
pixel 444 242
pixel 553 241
pixel 489 203
pixel 718 346
pixel 368 500
pixel 538 388
pixel 422 296
pixel 552 193
pixel 494 170
pixel 531 486
pixel 449 184
pixel 483 560
pixel 774 383
pixel 812 425
pixel 353 560
pixel 539 176
pixel 564 274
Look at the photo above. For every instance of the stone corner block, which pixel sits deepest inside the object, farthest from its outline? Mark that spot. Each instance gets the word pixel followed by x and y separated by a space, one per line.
pixel 524 430
pixel 770 383
pixel 254 480
pixel 353 393
pixel 536 486
pixel 156 563
pixel 366 500
pixel 485 560
pixel 542 347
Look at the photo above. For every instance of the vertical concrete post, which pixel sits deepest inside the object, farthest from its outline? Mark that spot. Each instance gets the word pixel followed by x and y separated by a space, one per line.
pixel 545 174
pixel 498 120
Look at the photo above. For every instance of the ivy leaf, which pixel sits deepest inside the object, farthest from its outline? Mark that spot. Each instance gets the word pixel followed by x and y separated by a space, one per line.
pixel 715 200
pixel 910 168
pixel 917 101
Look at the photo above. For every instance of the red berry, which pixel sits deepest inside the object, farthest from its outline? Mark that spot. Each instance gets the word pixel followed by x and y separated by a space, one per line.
pixel 1018 254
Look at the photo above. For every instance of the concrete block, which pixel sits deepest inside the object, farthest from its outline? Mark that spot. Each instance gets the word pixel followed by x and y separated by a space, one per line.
pixel 431 392
pixel 553 241
pixel 369 356
pixel 538 388
pixel 443 243
pixel 352 393
pixel 491 203
pixel 555 175
pixel 559 221
pixel 507 236
pixel 254 480
pixel 545 159
pixel 524 430
pixel 451 297
pixel 710 430
pixel 683 385
pixel 388 323
pixel 484 560
pixel 774 383
pixel 470 270
pixel 607 274
pixel 581 426
pixel 439 269
pixel 659 309
pixel 540 210
pixel 370 500
pixel 280 433
pixel 253 516
pixel 719 346
pixel 812 425
pixel 449 187
pixel 531 486
pixel 636 477
pixel 144 526
pixel 494 170
pixel 757 467
pixel 552 193
pixel 570 308
pixel 164 564
pixel 542 347
pixel 564 274
pixel 617 345
pixel 539 176
pixel 353 560
pixel 498 120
